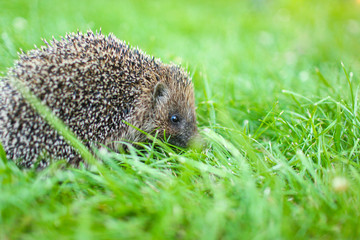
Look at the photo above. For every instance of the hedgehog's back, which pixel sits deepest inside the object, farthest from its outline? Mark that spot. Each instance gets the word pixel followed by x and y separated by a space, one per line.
pixel 91 82
pixel 25 136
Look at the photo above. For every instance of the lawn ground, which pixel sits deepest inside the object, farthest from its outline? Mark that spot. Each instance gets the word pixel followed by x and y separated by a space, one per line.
pixel 276 84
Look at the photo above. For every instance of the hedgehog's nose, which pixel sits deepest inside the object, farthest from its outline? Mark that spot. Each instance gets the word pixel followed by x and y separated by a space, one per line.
pixel 191 136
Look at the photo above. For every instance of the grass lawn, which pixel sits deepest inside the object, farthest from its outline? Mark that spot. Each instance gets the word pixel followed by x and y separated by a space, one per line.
pixel 276 84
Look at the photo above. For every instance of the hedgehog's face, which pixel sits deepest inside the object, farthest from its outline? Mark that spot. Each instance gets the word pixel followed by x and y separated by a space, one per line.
pixel 174 112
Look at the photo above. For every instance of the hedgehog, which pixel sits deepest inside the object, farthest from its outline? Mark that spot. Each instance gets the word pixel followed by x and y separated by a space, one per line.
pixel 102 89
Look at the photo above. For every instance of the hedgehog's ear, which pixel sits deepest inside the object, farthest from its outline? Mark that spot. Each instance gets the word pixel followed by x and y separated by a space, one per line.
pixel 159 91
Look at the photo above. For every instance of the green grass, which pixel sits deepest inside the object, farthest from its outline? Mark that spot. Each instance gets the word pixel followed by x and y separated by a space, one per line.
pixel 276 107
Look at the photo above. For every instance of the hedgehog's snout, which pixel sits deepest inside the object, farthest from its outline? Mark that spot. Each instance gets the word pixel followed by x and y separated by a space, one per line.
pixel 185 135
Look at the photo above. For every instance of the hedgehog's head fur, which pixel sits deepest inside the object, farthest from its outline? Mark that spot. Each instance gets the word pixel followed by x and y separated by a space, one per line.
pixel 174 108
pixel 168 106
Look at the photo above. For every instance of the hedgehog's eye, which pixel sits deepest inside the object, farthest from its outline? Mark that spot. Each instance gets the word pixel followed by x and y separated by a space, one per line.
pixel 174 118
